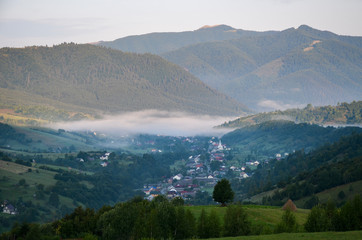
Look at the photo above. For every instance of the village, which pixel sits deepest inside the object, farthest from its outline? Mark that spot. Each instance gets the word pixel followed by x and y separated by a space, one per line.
pixel 201 174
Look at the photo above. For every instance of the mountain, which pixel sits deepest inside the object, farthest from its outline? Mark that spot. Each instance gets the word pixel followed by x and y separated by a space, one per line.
pixel 159 43
pixel 91 78
pixel 342 114
pixel 279 70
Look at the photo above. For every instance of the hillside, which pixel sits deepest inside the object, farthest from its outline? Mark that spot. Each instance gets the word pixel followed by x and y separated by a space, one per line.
pixel 159 43
pixel 281 69
pixel 45 140
pixel 342 114
pixel 302 174
pixel 87 78
pixel 266 139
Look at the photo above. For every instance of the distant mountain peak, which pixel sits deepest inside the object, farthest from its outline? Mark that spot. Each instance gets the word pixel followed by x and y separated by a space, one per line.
pixel 305 27
pixel 315 32
pixel 218 26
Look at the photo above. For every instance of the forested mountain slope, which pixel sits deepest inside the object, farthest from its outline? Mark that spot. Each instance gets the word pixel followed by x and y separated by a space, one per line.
pixel 281 69
pixel 304 174
pixel 159 43
pixel 272 137
pixel 91 77
pixel 342 114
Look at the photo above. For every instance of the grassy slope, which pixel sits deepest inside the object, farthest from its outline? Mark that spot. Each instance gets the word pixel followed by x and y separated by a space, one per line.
pixel 303 236
pixel 350 190
pixel 344 114
pixel 260 216
pixel 329 194
pixel 264 140
pixel 44 139
pixel 11 174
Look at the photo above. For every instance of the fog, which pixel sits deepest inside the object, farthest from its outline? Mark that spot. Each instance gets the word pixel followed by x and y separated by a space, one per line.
pixel 151 122
pixel 277 105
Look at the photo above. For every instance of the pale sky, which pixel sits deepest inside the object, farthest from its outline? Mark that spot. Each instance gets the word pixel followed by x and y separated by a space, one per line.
pixel 49 22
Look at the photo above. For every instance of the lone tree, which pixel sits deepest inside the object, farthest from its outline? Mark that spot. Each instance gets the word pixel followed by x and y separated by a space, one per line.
pixel 223 192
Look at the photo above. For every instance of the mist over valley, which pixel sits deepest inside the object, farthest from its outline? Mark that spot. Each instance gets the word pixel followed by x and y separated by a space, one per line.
pixel 151 136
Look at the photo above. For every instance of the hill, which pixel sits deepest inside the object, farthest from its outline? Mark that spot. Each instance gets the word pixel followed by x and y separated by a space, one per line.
pixel 342 114
pixel 265 140
pixel 158 43
pixel 279 70
pixel 44 140
pixel 303 174
pixel 86 78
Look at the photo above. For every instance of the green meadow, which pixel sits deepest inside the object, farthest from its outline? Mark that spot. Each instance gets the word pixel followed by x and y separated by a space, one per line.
pixel 302 236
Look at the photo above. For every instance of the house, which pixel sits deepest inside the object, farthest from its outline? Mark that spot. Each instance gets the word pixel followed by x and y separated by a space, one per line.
pixel 104 164
pixel 178 177
pixel 10 209
pixel 244 175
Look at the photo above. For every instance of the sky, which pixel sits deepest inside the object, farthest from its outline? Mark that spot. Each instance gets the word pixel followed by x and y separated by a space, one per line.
pixel 49 22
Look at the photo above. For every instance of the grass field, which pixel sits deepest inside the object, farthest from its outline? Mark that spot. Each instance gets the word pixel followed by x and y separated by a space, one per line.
pixel 350 190
pixel 303 236
pixel 263 218
pixel 12 173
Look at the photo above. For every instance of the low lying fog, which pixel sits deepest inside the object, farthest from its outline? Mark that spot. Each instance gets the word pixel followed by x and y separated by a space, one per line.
pixel 272 105
pixel 151 122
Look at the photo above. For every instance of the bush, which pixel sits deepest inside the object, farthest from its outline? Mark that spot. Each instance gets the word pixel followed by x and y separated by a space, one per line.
pixel 236 222
pixel 288 223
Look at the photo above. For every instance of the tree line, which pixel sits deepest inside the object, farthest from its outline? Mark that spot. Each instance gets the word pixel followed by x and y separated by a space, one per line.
pixel 138 219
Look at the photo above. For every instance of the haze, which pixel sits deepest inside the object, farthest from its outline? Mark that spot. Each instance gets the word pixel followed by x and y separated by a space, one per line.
pixel 44 22
pixel 151 122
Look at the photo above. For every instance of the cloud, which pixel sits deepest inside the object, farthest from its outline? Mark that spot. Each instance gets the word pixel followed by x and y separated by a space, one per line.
pixel 277 105
pixel 23 32
pixel 150 122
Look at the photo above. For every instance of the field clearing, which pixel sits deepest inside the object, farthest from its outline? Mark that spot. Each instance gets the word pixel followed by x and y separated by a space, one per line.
pixel 264 217
pixel 13 167
pixel 304 236
pixel 350 190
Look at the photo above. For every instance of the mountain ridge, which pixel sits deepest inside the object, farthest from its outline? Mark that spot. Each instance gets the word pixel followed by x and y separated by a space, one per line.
pixel 109 80
pixel 327 73
pixel 161 42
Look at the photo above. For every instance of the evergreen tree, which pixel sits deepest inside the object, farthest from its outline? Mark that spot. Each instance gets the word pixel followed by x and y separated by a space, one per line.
pixel 236 222
pixel 54 200
pixel 202 226
pixel 190 224
pixel 317 220
pixel 288 223
pixel 214 224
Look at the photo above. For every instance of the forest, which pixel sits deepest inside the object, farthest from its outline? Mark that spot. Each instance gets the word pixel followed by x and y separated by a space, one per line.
pixel 304 174
pixel 342 114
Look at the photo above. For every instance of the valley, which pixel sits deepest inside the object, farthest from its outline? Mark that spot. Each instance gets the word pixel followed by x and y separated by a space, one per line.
pixel 128 139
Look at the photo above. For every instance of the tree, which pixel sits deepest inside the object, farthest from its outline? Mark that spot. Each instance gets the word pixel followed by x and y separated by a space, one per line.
pixel 54 200
pixel 202 226
pixel 178 201
pixel 236 221
pixel 317 220
pixel 223 192
pixel 22 182
pixel 214 224
pixel 288 223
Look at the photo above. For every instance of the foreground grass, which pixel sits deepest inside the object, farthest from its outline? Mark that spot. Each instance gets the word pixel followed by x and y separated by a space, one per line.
pixel 304 236
pixel 264 219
